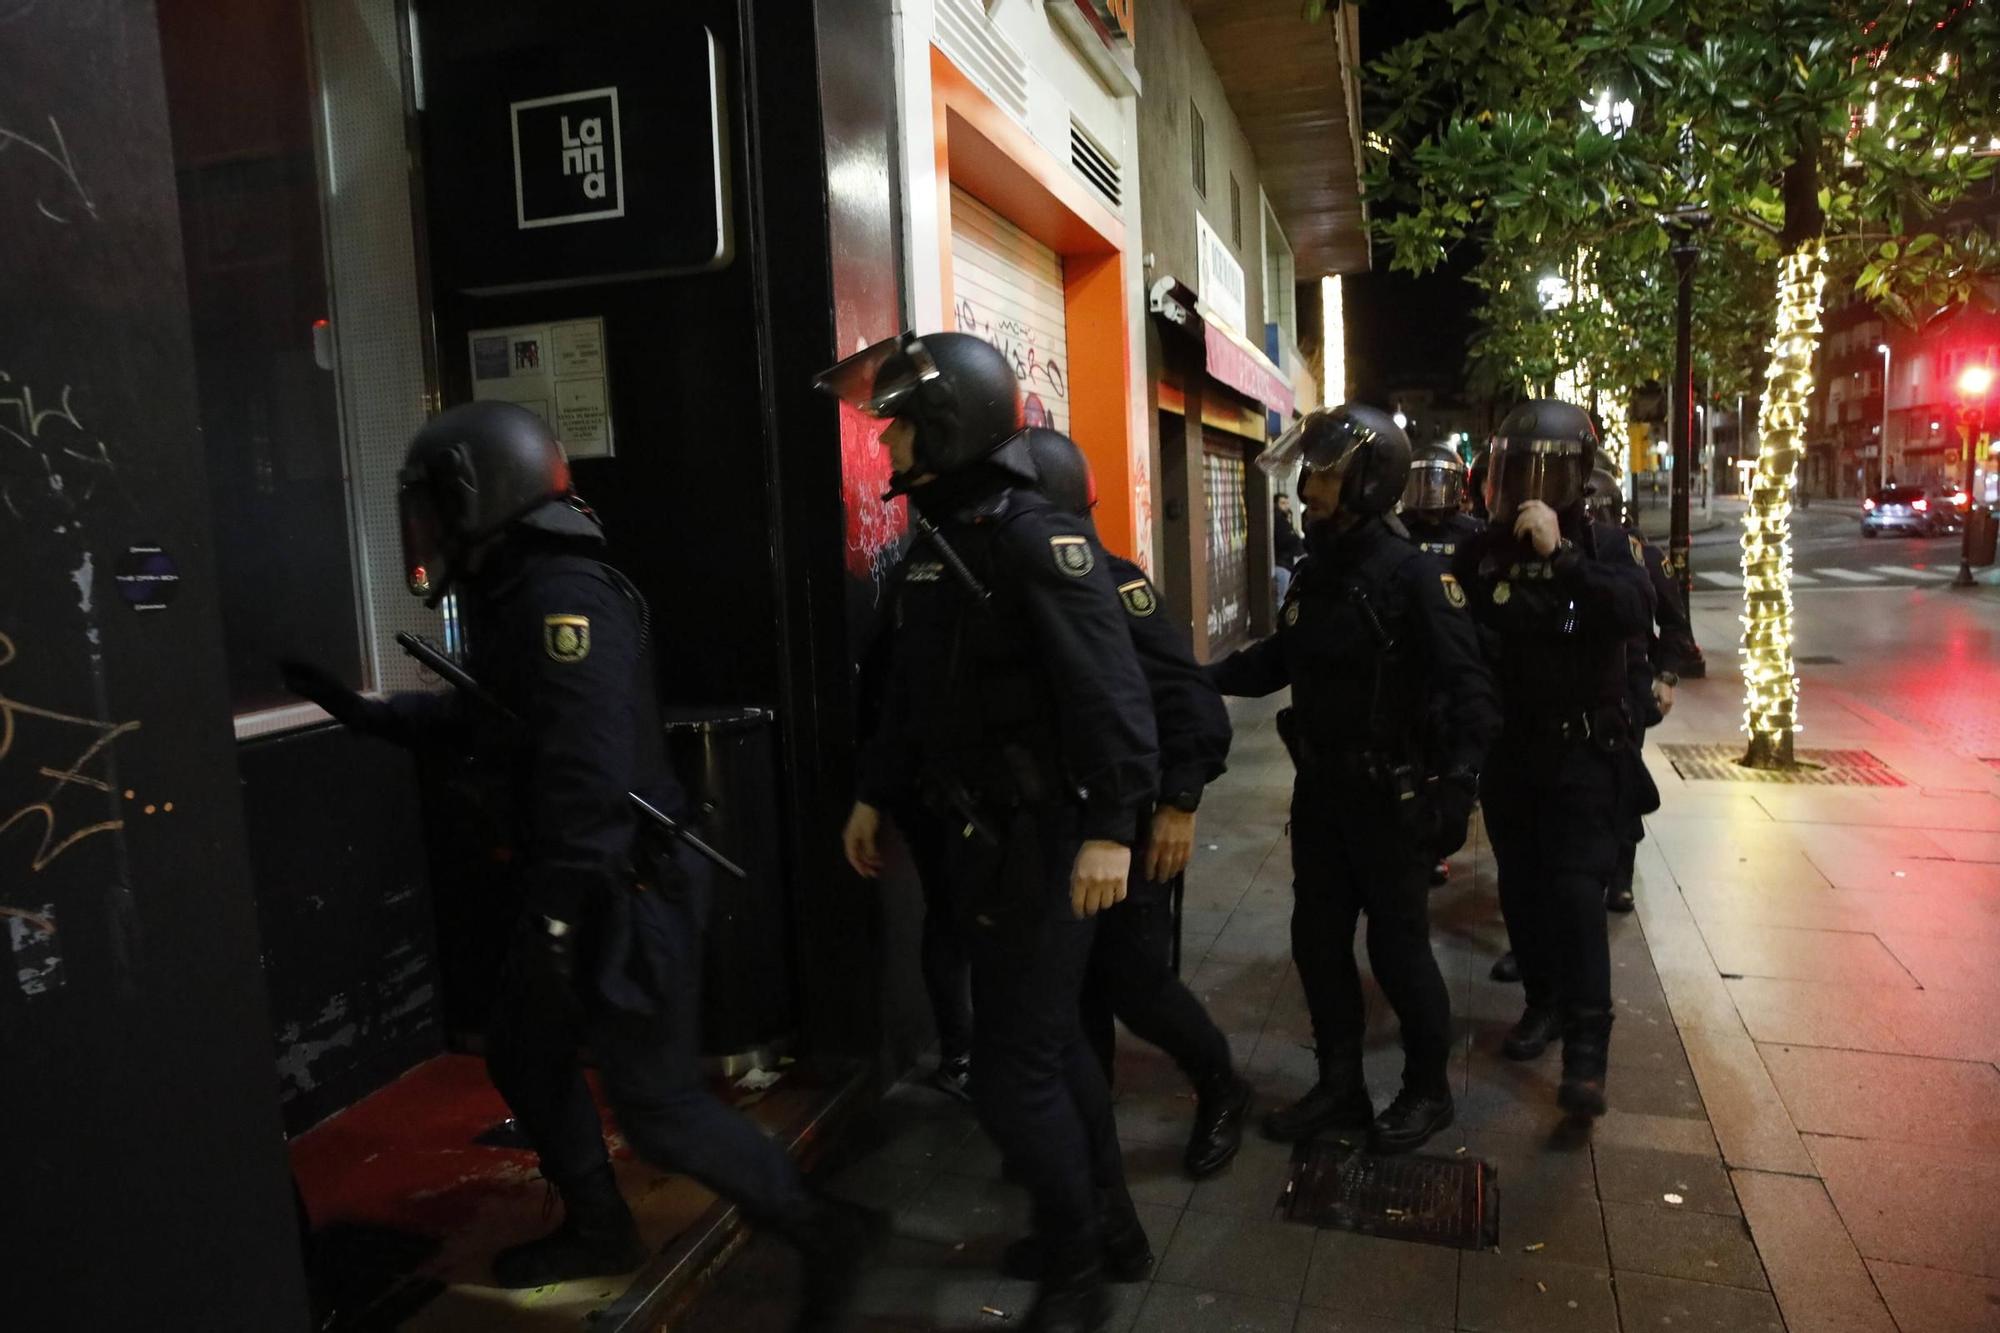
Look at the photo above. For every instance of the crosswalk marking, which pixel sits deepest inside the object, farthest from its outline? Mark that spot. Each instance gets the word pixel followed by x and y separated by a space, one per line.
pixel 1909 572
pixel 1722 580
pixel 1874 576
pixel 1852 575
pixel 1803 580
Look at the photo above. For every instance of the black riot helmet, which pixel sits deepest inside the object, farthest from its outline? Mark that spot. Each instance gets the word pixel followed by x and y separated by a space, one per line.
pixel 1062 473
pixel 1544 450
pixel 473 473
pixel 1437 480
pixel 1604 498
pixel 1362 446
pixel 957 391
pixel 1476 479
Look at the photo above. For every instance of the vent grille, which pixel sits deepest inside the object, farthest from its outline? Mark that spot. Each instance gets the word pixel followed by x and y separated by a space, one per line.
pixel 1093 163
pixel 972 42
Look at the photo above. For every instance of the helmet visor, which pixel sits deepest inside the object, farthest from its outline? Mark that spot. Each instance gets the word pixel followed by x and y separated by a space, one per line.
pixel 861 382
pixel 423 539
pixel 1313 450
pixel 1433 485
pixel 1551 471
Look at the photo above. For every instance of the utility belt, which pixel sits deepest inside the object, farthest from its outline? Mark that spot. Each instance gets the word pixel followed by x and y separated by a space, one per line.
pixel 981 787
pixel 1608 726
pixel 1397 776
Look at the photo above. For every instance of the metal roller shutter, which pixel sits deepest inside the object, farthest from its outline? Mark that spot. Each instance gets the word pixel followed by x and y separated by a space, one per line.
pixel 1007 287
pixel 1224 479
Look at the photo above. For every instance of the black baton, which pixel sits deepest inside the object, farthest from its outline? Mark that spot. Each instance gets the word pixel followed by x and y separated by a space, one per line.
pixel 461 680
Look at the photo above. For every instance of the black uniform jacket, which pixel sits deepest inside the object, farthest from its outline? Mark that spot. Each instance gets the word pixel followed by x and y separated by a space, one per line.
pixel 1193 724
pixel 1442 539
pixel 1374 641
pixel 1672 644
pixel 1559 630
pixel 1031 695
pixel 559 638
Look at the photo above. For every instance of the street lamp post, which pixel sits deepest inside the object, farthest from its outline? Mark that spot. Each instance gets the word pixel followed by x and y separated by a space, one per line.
pixel 1974 383
pixel 1882 445
pixel 1684 227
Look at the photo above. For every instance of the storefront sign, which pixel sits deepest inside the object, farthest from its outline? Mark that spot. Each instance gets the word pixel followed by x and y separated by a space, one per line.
pixel 573 144
pixel 555 371
pixel 1239 366
pixel 568 162
pixel 1219 277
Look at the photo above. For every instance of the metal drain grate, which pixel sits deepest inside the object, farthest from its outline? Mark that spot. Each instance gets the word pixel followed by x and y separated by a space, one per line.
pixel 1819 768
pixel 1432 1200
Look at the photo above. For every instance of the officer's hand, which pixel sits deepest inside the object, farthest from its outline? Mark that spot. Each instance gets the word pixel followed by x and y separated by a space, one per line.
pixel 858 840
pixel 1171 843
pixel 329 692
pixel 1537 525
pixel 1663 696
pixel 1099 879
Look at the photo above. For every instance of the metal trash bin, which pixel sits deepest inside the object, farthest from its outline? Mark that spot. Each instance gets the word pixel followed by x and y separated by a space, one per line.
pixel 1981 528
pixel 725 759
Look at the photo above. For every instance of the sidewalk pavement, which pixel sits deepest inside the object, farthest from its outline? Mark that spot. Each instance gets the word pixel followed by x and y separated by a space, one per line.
pixel 1805 1123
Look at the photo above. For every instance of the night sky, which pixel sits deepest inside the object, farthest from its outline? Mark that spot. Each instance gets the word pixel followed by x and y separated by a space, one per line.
pixel 1404 331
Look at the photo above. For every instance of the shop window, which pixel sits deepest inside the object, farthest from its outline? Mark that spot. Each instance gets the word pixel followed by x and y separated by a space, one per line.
pixel 239 92
pixel 1198 143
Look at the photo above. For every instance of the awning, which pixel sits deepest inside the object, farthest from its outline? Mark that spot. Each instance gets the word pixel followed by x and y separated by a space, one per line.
pixel 1245 369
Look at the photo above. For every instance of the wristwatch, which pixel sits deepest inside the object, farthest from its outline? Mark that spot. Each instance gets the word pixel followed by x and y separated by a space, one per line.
pixel 1187 802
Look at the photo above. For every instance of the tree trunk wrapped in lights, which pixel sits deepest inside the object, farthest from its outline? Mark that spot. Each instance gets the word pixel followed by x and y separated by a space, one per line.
pixel 1770 684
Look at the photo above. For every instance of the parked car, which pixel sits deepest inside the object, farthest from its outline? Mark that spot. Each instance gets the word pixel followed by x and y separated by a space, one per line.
pixel 1913 510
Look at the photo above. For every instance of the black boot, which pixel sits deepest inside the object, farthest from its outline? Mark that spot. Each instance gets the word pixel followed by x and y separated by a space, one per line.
pixel 1527 1039
pixel 954 1077
pixel 596 1239
pixel 1128 1255
pixel 1219 1108
pixel 1410 1120
pixel 1586 1048
pixel 1505 968
pixel 834 1240
pixel 1618 898
pixel 1339 1101
pixel 1072 1297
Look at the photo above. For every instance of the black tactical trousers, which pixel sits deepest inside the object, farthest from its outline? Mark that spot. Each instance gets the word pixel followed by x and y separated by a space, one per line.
pixel 1554 812
pixel 941 951
pixel 1352 854
pixel 1131 979
pixel 649 1065
pixel 1035 1083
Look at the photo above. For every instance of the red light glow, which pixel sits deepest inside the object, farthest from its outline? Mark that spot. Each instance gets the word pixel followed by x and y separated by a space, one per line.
pixel 1974 381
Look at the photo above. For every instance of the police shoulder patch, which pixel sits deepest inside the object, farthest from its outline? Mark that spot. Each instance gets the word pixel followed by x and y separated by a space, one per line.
pixel 1501 593
pixel 1452 592
pixel 1139 597
pixel 1072 555
pixel 1638 551
pixel 566 638
pixel 1291 613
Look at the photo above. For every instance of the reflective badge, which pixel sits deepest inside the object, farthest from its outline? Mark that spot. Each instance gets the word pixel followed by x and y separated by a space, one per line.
pixel 1638 551
pixel 1139 597
pixel 1292 613
pixel 1501 592
pixel 1453 593
pixel 1073 555
pixel 566 638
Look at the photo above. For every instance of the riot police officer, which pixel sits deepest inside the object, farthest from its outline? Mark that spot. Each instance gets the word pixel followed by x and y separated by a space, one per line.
pixel 607 945
pixel 1433 502
pixel 1373 641
pixel 1562 598
pixel 1652 667
pixel 1131 977
pixel 1016 708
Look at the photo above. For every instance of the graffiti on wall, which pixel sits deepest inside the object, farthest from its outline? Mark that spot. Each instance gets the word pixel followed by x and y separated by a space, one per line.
pixel 875 526
pixel 1043 376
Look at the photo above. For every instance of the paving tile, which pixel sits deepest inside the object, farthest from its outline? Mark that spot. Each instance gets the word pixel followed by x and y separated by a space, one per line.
pixel 1672 1242
pixel 1947 963
pixel 1663 1087
pixel 1560 1222
pixel 1252 1186
pixel 879 1182
pixel 1647 1176
pixel 1367 1275
pixel 1901 1098
pixel 1816 1013
pixel 1341 1321
pixel 1171 1308
pixel 1155 1117
pixel 1699 1000
pixel 1911 1204
pixel 1620 1128
pixel 1234 1254
pixel 1652 1304
pixel 1506 1293
pixel 1744 1108
pixel 916 1282
pixel 954 1210
pixel 1816 1274
pixel 1153 1174
pixel 1924 1300
pixel 1805 955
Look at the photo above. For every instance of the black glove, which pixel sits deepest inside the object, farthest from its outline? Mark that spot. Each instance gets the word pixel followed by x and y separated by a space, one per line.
pixel 1451 801
pixel 344 705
